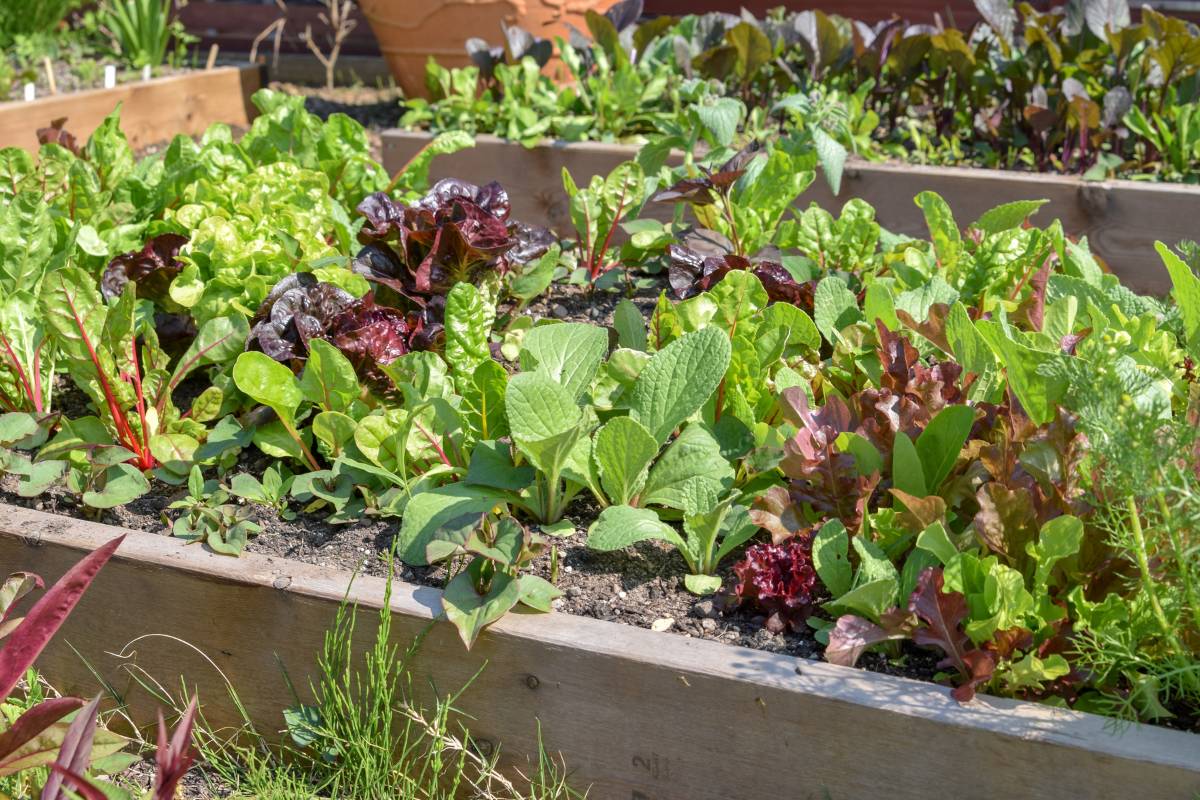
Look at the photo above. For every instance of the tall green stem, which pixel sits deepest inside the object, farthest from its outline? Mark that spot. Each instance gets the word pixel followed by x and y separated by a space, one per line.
pixel 1143 562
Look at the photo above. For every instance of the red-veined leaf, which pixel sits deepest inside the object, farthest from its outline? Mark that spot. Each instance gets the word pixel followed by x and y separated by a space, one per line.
pixel 47 616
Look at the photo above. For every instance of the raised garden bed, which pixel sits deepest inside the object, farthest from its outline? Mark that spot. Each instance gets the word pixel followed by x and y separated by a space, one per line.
pixel 637 714
pixel 1121 218
pixel 151 111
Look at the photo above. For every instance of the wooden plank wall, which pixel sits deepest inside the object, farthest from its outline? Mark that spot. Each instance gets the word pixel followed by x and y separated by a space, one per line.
pixel 638 715
pixel 1122 219
pixel 151 111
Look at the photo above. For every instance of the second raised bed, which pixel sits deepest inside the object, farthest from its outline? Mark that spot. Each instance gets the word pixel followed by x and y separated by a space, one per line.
pixel 1121 219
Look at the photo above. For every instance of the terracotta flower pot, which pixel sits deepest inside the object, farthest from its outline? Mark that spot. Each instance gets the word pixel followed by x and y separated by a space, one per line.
pixel 411 31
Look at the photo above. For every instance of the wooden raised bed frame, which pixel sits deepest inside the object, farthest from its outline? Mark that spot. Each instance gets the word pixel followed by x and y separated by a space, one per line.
pixel 1122 219
pixel 637 715
pixel 151 111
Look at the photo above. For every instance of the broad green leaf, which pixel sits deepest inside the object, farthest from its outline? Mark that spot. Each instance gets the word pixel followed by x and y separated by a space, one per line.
pixel 1186 291
pixel 832 154
pixel 621 526
pixel 264 380
pixel 908 474
pixel 334 430
pixel 328 380
pixel 943 230
pixel 1007 215
pixel 720 118
pixel 1059 538
pixel 623 451
pixel 1039 393
pixel 483 400
pixel 831 557
pixel 869 599
pixel 120 484
pixel 834 307
pixel 537 592
pixel 492 465
pixel 694 454
pixel 467 328
pixel 702 584
pixel 678 380
pixel 936 541
pixel 630 325
pixel 940 443
pixel 471 612
pixel 569 353
pixel 453 510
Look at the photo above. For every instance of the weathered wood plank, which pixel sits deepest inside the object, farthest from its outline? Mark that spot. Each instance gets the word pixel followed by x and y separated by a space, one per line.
pixel 637 714
pixel 151 111
pixel 1122 219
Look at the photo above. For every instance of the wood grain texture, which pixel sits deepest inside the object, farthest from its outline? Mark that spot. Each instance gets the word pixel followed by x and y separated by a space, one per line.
pixel 1121 219
pixel 151 111
pixel 636 714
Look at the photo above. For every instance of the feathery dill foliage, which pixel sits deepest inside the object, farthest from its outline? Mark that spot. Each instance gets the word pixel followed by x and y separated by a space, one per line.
pixel 1146 492
pixel 368 738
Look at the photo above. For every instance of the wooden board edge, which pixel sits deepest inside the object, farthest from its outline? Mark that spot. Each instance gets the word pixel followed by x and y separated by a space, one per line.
pixel 85 95
pixel 1002 717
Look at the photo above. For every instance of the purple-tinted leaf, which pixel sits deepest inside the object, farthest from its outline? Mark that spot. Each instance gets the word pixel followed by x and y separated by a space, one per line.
pixel 56 134
pixel 76 750
pixel 47 616
pixel 174 757
pixel 298 309
pixel 151 269
pixel 942 615
pixel 15 587
pixel 780 581
pixel 852 635
pixel 32 723
pixel 384 218
pixel 533 241
pixel 370 335
pixel 79 784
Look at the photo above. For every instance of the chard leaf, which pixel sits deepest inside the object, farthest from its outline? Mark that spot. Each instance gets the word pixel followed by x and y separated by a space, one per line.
pixel 467 329
pixel 264 380
pixel 120 484
pixel 678 380
pixel 943 230
pixel 328 380
pixel 1007 215
pixel 623 451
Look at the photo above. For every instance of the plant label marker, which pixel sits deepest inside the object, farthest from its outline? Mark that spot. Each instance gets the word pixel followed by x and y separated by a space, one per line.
pixel 30 92
pixel 50 75
pixel 110 76
pixel 146 72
